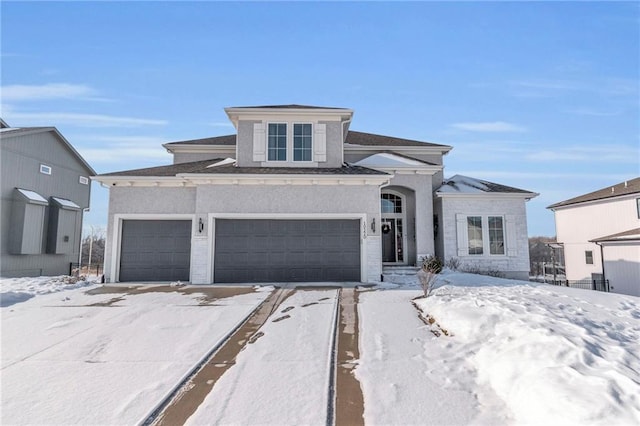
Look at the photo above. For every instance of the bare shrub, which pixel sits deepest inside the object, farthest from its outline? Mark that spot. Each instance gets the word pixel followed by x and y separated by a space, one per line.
pixel 453 263
pixel 431 266
pixel 474 269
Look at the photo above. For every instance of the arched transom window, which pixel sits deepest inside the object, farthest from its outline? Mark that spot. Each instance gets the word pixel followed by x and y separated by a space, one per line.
pixel 390 203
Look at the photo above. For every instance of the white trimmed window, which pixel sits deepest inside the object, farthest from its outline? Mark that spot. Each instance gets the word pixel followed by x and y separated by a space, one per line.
pixel 289 142
pixel 277 142
pixel 45 170
pixel 302 142
pixel 84 180
pixel 484 235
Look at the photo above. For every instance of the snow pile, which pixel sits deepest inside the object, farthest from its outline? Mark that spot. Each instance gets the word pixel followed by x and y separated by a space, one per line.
pixel 16 290
pixel 551 355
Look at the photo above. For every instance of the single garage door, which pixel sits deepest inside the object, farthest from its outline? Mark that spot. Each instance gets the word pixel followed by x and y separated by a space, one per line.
pixel 155 250
pixel 286 250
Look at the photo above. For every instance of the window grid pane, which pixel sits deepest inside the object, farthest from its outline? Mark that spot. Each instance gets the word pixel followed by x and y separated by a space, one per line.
pixel 496 235
pixel 474 232
pixel 277 142
pixel 391 203
pixel 302 142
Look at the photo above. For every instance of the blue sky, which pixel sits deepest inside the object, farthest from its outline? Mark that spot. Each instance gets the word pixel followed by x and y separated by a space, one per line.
pixel 541 96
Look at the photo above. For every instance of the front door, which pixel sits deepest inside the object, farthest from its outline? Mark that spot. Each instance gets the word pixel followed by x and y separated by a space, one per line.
pixel 393 239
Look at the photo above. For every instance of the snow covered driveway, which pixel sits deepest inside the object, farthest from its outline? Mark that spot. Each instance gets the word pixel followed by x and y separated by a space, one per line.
pixel 283 376
pixel 108 358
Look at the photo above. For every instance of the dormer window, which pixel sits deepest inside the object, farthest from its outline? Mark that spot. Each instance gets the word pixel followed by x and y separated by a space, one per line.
pixel 283 145
pixel 277 142
pixel 302 142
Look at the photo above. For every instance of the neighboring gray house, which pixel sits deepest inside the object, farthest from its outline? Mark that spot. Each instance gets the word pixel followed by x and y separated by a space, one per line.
pixel 293 196
pixel 45 188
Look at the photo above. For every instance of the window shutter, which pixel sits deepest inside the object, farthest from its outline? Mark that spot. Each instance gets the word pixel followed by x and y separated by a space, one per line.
pixel 462 236
pixel 320 143
pixel 512 237
pixel 259 142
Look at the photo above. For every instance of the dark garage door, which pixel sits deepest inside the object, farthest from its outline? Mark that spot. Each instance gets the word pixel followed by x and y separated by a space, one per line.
pixel 155 250
pixel 287 250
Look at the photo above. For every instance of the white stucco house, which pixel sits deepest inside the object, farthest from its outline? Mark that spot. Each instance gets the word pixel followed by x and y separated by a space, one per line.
pixel 600 233
pixel 295 195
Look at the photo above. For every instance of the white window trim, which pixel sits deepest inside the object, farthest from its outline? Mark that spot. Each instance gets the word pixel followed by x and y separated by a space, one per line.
pixel 486 244
pixel 289 161
pixel 266 134
pixel 44 168
pixel 292 142
pixel 83 180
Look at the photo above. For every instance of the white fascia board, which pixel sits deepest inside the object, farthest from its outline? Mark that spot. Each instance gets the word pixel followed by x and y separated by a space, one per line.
pixel 140 180
pixel 198 149
pixel 376 149
pixel 410 170
pixel 325 114
pixel 246 179
pixel 485 195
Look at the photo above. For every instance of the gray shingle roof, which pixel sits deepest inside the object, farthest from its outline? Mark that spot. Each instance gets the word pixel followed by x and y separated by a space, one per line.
pixel 228 140
pixel 459 184
pixel 370 139
pixel 623 188
pixel 201 167
pixel 290 106
pixel 353 137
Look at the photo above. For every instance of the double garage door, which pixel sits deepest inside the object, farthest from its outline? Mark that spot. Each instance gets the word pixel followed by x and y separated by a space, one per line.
pixel 245 250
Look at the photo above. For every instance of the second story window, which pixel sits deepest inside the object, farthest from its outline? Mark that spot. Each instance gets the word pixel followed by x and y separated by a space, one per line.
pixel 45 170
pixel 277 137
pixel 301 142
pixel 638 207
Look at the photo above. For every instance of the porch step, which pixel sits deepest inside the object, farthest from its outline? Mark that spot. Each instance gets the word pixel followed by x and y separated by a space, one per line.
pixel 400 274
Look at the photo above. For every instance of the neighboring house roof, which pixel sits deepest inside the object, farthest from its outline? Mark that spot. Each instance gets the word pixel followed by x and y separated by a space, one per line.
pixel 459 184
pixel 630 235
pixel 19 131
pixel 353 138
pixel 222 166
pixel 3 124
pixel 624 188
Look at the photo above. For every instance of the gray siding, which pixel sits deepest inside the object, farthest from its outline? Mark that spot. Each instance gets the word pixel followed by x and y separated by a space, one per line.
pixel 21 156
pixel 245 144
pixel 144 200
pixel 334 144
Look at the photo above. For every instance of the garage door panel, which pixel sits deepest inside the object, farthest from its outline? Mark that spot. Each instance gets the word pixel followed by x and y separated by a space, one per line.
pixel 286 250
pixel 155 250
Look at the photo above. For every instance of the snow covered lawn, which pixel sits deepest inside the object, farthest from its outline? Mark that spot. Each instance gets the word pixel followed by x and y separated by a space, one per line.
pixel 517 353
pixel 508 352
pixel 73 358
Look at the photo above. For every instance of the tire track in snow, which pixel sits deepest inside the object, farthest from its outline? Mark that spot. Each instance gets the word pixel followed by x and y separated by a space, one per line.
pixel 191 392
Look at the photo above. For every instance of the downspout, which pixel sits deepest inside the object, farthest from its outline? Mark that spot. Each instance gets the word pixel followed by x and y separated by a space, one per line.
pixel 604 278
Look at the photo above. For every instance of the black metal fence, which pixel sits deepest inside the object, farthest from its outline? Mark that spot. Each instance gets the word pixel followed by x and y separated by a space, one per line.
pixel 76 269
pixel 598 285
